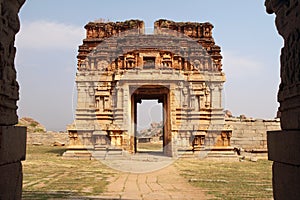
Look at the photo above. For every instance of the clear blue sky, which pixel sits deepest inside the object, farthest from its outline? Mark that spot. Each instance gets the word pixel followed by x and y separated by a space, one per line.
pixel 52 30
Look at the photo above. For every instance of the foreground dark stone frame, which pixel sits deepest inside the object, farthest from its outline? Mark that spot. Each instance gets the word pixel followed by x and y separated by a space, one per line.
pixel 12 138
pixel 283 146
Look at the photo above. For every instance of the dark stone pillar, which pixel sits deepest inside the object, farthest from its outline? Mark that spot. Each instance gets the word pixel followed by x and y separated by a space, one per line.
pixel 284 146
pixel 12 139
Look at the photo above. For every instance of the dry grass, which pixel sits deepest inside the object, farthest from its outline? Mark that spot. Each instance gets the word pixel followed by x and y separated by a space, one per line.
pixel 48 176
pixel 230 180
pixel 150 146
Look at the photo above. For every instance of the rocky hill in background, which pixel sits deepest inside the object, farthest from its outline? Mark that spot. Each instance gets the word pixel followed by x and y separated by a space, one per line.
pixel 155 130
pixel 32 125
pixel 38 135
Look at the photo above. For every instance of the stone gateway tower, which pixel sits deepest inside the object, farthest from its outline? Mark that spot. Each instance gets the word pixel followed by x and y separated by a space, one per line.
pixel 119 66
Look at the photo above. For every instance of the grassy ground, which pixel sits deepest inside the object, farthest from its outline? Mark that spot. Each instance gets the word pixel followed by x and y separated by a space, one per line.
pixel 150 146
pixel 47 175
pixel 230 180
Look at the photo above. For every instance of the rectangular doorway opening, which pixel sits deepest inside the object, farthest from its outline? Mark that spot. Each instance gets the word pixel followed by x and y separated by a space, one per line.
pixel 149 135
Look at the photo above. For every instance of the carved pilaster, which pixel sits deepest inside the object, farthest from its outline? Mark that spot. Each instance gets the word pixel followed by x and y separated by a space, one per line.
pixel 179 94
pixel 216 94
pixel 287 22
pixel 9 88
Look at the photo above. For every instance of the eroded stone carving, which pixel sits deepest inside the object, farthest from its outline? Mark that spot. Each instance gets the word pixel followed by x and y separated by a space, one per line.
pixel 287 13
pixel 9 25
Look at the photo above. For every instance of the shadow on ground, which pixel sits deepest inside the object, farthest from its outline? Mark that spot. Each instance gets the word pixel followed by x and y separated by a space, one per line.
pixel 57 151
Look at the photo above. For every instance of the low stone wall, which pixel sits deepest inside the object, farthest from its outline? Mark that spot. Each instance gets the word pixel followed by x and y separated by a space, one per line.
pixel 48 138
pixel 251 134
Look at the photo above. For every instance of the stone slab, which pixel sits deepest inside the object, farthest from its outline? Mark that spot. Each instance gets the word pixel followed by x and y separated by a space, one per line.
pixel 286 181
pixel 284 147
pixel 77 154
pixel 12 144
pixel 11 181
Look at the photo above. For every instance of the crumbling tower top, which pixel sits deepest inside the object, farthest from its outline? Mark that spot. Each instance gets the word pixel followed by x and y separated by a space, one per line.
pixel 97 32
pixel 201 32
pixel 108 29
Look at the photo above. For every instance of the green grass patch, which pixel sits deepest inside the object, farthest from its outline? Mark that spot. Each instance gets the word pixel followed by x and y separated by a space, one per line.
pixel 229 180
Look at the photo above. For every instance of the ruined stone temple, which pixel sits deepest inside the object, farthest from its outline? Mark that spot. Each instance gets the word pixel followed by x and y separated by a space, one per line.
pixel 119 65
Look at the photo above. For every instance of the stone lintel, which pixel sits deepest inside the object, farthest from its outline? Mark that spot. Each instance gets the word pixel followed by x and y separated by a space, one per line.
pixel 12 144
pixel 283 147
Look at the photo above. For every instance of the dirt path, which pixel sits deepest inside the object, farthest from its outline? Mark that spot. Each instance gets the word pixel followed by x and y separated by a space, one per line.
pixel 164 184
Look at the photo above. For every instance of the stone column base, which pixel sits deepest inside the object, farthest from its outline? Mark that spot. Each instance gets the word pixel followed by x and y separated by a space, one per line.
pixel 284 150
pixel 12 152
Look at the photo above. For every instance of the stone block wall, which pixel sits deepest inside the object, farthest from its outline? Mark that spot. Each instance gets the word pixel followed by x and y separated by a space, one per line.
pixel 251 134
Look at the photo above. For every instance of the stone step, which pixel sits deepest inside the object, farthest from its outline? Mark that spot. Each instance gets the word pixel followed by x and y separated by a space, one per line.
pixel 227 153
pixel 78 154
pixel 107 153
pixel 224 155
pixel 209 153
pixel 114 157
pixel 114 154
